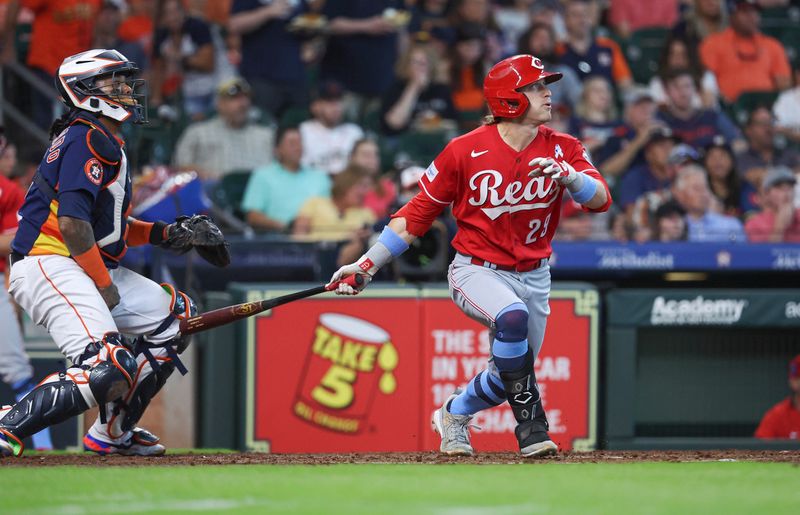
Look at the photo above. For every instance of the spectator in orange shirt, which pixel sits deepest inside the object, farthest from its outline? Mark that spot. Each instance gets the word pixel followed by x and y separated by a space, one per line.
pixel 60 28
pixel 744 59
pixel 467 67
pixel 588 54
pixel 783 419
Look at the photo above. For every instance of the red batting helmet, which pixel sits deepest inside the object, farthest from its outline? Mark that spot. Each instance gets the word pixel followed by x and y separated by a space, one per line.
pixel 506 77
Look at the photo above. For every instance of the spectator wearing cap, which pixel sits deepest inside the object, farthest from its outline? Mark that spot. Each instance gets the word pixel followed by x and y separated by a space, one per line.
pixel 678 54
pixel 276 192
pixel 654 174
pixel 787 108
pixel 744 59
pixel 596 119
pixel 588 54
pixel 624 150
pixel 779 219
pixel 644 208
pixel 183 60
pixel 271 54
pixel 540 40
pixel 669 223
pixel 692 192
pixel 362 47
pixel 229 141
pixel 696 126
pixel 417 100
pixel 327 138
pixel 383 190
pixel 700 19
pixel 723 179
pixel 761 153
pixel 783 419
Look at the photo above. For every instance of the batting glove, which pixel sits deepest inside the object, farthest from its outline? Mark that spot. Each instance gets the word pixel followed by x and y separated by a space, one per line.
pixel 346 271
pixel 561 172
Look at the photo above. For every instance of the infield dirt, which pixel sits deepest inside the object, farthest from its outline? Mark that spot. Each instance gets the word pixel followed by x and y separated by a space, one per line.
pixel 432 458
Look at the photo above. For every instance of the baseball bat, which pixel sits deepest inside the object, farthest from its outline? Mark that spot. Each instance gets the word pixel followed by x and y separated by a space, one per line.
pixel 228 314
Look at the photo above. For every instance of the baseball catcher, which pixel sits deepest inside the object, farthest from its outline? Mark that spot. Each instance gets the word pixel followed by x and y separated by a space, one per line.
pixel 73 230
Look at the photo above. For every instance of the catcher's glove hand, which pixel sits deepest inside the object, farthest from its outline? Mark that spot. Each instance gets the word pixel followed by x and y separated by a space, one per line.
pixel 200 233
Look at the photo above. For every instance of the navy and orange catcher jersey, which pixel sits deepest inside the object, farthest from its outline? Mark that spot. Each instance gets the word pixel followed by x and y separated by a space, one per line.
pixel 85 176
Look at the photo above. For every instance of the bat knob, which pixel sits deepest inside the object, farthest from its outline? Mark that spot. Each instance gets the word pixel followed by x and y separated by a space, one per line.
pixel 355 280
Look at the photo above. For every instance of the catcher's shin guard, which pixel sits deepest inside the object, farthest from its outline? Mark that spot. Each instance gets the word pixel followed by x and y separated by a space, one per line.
pixel 105 373
pixel 145 391
pixel 526 403
pixel 55 400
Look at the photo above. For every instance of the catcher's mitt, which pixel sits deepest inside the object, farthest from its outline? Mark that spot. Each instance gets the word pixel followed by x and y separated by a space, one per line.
pixel 200 233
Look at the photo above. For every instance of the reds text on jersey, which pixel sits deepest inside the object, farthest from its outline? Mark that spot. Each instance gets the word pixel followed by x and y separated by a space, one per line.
pixel 503 216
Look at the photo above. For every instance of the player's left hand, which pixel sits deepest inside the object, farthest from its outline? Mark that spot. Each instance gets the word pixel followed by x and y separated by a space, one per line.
pixel 198 232
pixel 562 172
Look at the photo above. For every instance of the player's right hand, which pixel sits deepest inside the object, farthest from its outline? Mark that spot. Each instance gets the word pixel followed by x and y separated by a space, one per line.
pixel 110 296
pixel 346 271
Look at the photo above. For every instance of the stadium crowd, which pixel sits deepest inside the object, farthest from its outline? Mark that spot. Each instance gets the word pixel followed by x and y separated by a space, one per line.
pixel 313 118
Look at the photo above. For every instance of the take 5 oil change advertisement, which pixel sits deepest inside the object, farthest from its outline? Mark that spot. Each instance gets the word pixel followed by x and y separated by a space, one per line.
pixel 364 374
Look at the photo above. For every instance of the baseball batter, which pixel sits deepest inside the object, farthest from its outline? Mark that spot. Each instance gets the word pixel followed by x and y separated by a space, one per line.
pixel 505 181
pixel 73 230
pixel 15 367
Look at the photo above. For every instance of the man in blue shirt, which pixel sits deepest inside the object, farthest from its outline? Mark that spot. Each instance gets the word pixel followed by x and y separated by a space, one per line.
pixel 692 192
pixel 695 126
pixel 654 174
pixel 276 192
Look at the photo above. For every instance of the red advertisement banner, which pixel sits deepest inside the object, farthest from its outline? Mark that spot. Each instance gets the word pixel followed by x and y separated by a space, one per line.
pixel 365 374
pixel 338 375
pixel 456 348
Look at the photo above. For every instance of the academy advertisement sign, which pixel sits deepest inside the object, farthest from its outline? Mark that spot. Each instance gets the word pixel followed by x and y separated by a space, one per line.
pixel 709 307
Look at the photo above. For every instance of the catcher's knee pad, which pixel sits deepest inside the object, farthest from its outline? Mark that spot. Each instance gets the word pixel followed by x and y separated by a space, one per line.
pixel 145 391
pixel 181 307
pixel 522 393
pixel 54 400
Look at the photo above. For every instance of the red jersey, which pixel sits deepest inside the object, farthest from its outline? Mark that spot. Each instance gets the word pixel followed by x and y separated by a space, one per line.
pixel 11 198
pixel 781 421
pixel 503 216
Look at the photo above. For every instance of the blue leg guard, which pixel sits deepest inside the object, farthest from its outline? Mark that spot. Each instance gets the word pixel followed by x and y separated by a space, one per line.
pixel 511 338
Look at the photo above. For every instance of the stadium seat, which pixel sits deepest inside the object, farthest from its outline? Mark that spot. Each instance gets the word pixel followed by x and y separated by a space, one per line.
pixel 294 116
pixel 229 191
pixel 747 102
pixel 423 147
pixel 643 50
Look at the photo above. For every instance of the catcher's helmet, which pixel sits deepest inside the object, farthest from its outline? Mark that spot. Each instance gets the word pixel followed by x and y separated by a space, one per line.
pixel 506 77
pixel 76 82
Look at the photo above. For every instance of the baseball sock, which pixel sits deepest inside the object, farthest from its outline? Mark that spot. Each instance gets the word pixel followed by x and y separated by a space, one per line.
pixel 508 352
pixel 484 391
